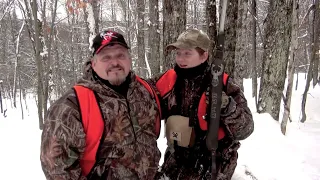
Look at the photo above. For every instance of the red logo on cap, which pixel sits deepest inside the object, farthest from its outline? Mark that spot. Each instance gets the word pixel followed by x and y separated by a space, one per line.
pixel 107 37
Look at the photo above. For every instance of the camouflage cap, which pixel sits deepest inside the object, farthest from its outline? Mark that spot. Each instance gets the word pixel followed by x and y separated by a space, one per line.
pixel 190 39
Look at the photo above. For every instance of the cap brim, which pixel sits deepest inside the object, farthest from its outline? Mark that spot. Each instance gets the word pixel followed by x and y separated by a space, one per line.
pixel 179 45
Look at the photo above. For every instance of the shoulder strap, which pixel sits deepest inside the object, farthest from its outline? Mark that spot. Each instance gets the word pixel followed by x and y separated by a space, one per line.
pixel 93 126
pixel 153 95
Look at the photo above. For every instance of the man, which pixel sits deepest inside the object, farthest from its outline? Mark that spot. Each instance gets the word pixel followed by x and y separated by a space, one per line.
pixel 128 147
pixel 184 95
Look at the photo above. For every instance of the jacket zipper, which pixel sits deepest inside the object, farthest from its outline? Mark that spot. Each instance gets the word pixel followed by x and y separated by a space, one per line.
pixel 130 119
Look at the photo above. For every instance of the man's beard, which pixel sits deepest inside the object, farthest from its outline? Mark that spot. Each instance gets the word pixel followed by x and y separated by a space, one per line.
pixel 118 80
pixel 119 76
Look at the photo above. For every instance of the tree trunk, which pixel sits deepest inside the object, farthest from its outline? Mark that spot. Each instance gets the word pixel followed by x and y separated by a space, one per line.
pixel 305 93
pixel 87 26
pixel 44 41
pixel 38 62
pixel 316 21
pixel 25 99
pixel 174 23
pixel 71 22
pixel 275 56
pixel 20 90
pixel 1 105
pixel 211 14
pixel 297 81
pixel 14 23
pixel 240 51
pixel 48 64
pixel 141 61
pixel 129 14
pixel 254 52
pixel 58 72
pixel 96 12
pixel 230 37
pixel 113 13
pixel 154 38
pixel 92 11
pixel 4 40
pixel 313 48
pixel 195 13
pixel 294 47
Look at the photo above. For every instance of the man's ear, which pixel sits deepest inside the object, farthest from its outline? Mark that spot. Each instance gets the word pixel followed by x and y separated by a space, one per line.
pixel 205 56
pixel 93 62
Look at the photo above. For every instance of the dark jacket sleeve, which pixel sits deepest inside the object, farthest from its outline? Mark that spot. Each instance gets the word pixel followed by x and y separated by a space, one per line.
pixel 63 140
pixel 237 116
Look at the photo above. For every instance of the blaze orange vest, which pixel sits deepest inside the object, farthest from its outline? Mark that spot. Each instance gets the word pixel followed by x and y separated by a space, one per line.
pixel 165 85
pixel 93 124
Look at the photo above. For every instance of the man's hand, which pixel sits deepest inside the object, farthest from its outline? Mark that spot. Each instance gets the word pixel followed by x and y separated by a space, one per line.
pixel 228 105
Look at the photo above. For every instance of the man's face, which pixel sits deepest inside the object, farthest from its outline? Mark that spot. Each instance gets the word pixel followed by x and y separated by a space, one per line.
pixel 112 63
pixel 189 58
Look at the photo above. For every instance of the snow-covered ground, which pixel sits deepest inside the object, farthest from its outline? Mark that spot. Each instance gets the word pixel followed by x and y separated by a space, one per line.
pixel 268 155
pixel 265 155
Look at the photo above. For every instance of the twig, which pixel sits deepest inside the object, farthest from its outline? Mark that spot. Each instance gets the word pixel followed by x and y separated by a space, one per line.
pixel 6 10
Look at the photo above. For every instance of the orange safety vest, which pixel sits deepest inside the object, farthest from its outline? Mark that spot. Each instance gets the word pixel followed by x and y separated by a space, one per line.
pixel 93 123
pixel 165 85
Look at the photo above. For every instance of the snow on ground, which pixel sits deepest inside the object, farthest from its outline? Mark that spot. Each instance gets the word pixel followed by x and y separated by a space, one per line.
pixel 269 155
pixel 265 155
pixel 20 145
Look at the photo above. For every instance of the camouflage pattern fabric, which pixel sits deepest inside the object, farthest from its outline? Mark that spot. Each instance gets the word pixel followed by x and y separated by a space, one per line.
pixel 123 154
pixel 236 119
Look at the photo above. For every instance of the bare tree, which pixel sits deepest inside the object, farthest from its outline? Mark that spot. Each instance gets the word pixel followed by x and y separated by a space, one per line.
pixel 14 23
pixel 36 38
pixel 174 23
pixel 230 37
pixel 211 14
pixel 316 23
pixel 154 37
pixel 314 33
pixel 294 47
pixel 254 52
pixel 141 61
pixel 91 11
pixel 240 51
pixel 275 56
pixel 48 41
pixel 1 105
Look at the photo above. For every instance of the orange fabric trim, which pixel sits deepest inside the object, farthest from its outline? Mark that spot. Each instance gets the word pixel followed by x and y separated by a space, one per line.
pixel 202 113
pixel 166 82
pixel 93 126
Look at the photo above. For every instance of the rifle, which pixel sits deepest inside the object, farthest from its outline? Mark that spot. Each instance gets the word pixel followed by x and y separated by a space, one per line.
pixel 216 87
